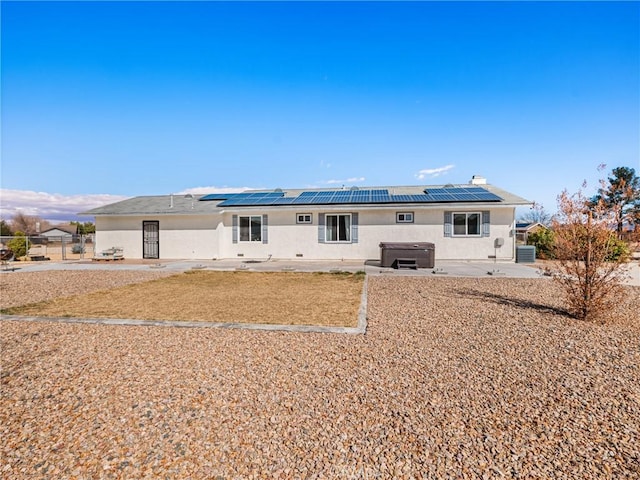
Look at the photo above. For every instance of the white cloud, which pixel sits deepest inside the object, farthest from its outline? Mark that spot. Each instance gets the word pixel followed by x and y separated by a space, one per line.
pixel 348 180
pixel 205 190
pixel 56 207
pixel 50 206
pixel 433 172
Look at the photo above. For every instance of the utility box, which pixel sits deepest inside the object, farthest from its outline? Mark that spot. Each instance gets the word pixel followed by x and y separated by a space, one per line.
pixel 422 252
pixel 525 254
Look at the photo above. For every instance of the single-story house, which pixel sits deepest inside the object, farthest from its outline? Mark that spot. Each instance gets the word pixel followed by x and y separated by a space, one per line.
pixel 472 221
pixel 60 233
pixel 523 230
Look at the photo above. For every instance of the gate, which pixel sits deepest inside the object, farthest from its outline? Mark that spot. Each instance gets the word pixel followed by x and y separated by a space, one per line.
pixel 150 239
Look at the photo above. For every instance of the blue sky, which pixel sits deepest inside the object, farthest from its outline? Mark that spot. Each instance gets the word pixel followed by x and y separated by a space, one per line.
pixel 108 99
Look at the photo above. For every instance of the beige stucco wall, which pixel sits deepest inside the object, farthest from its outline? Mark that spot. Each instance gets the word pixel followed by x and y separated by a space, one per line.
pixel 186 236
pixel 288 239
pixel 210 236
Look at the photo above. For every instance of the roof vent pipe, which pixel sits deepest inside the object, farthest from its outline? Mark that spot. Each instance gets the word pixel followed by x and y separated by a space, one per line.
pixel 478 180
pixel 171 201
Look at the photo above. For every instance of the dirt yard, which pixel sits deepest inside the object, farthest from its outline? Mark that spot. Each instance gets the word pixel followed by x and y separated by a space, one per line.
pixel 243 297
pixel 55 251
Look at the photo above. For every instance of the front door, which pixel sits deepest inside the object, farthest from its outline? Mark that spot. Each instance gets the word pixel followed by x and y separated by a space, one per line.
pixel 150 239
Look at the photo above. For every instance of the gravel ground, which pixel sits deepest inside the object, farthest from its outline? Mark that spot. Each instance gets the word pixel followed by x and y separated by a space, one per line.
pixel 455 378
pixel 20 288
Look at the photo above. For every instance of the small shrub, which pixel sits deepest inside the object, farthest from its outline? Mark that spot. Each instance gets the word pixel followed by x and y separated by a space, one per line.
pixel 543 240
pixel 619 250
pixel 589 259
pixel 18 244
pixel 77 248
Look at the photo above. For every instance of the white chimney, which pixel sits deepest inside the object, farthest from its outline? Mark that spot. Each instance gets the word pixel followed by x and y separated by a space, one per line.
pixel 478 180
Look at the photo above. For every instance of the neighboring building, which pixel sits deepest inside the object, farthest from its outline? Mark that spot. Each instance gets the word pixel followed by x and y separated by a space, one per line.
pixel 523 230
pixel 59 233
pixel 463 221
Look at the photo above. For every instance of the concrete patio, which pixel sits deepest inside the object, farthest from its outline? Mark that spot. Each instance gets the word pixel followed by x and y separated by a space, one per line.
pixel 447 268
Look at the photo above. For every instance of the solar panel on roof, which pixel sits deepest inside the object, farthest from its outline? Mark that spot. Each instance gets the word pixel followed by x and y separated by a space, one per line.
pixel 490 197
pixel 419 198
pixel 459 194
pixel 463 197
pixel 215 196
pixel 251 198
pixel 476 189
pixel 441 197
pixel 282 201
pixel 335 197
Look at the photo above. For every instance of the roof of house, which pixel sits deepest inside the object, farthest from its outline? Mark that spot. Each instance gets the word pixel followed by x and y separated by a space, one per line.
pixel 70 229
pixel 157 204
pixel 528 226
pixel 433 195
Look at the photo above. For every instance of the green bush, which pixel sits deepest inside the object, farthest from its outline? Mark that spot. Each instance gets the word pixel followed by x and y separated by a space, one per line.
pixel 543 240
pixel 619 250
pixel 18 244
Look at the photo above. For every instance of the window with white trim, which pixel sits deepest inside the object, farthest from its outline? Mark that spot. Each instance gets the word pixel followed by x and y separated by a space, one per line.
pixel 404 217
pixel 338 227
pixel 250 228
pixel 304 218
pixel 467 224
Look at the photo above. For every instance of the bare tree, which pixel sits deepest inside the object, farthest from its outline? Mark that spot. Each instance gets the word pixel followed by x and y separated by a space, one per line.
pixel 28 224
pixel 588 270
pixel 536 214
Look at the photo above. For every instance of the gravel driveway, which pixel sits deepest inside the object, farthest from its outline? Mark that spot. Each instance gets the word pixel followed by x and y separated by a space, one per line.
pixel 455 378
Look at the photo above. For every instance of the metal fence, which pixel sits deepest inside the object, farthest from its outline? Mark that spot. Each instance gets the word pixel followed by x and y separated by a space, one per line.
pixel 40 247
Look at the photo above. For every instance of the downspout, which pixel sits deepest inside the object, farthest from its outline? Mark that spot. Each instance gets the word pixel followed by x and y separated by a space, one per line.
pixel 514 238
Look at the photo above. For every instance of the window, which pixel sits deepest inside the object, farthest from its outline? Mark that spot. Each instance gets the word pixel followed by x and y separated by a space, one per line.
pixel 404 217
pixel 304 218
pixel 338 228
pixel 250 228
pixel 466 224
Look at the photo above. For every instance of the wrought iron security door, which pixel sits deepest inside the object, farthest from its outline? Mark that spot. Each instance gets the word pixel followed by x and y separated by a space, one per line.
pixel 150 239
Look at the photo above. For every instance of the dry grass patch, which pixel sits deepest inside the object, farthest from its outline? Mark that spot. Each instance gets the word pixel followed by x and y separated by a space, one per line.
pixel 289 298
